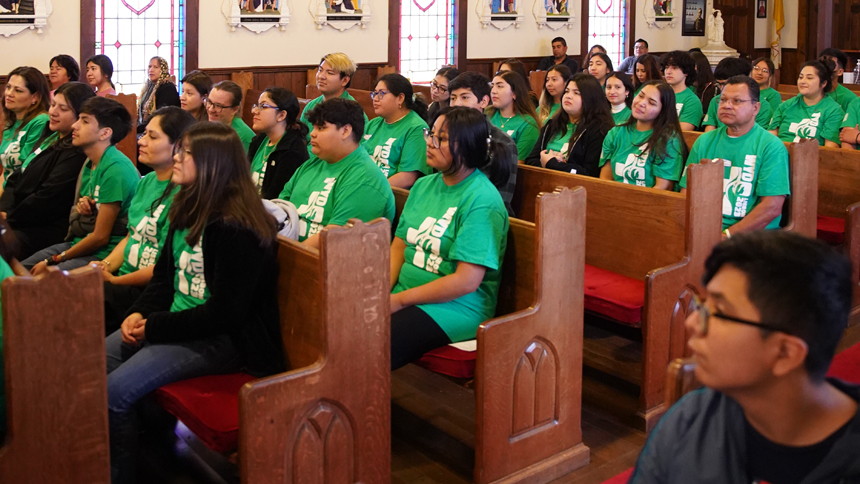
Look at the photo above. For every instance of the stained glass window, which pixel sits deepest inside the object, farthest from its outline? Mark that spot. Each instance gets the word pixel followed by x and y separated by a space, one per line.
pixel 426 37
pixel 131 32
pixel 607 26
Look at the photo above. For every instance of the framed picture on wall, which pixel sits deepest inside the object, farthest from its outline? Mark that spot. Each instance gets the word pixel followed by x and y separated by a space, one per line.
pixel 20 15
pixel 761 9
pixel 663 10
pixel 694 18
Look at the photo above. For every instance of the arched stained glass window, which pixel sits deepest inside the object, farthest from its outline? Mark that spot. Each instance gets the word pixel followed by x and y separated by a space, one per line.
pixel 131 32
pixel 426 37
pixel 607 26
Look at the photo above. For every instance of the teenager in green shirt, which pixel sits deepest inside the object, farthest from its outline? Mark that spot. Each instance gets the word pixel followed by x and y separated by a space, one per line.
pixel 281 147
pixel 648 150
pixel 394 138
pixel 334 75
pixel 600 66
pixel 447 252
pixel 107 184
pixel 726 68
pixel 756 162
pixel 553 90
pixel 679 70
pixel 762 72
pixel 129 266
pixel 810 114
pixel 341 181
pixel 619 93
pixel 223 105
pixel 850 134
pixel 513 112
pixel 841 94
pixel 25 108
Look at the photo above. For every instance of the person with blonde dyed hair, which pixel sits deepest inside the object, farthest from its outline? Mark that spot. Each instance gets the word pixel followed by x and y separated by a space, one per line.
pixel 334 75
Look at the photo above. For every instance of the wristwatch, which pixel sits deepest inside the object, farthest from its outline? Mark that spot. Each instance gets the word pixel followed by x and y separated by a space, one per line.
pixel 56 259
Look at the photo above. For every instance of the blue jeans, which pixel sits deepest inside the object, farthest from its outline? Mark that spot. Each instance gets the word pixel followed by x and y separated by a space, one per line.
pixel 134 371
pixel 68 265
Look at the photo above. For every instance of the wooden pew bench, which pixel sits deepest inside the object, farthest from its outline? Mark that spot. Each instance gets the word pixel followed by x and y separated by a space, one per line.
pixel 645 253
pixel 56 382
pixel 528 363
pixel 128 145
pixel 250 99
pixel 329 414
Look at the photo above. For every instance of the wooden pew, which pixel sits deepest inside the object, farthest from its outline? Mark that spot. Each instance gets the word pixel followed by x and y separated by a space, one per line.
pixel 680 379
pixel 329 414
pixel 245 80
pixel 803 162
pixel 528 373
pixel 536 81
pixel 673 236
pixel 56 382
pixel 128 145
pixel 251 98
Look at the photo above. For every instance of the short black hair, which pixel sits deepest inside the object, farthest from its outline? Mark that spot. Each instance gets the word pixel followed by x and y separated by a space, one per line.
pixel 642 41
pixel 477 83
pixel 682 60
pixel 755 91
pixel 339 112
pixel 559 39
pixel 732 66
pixel 796 283
pixel 109 113
pixel 836 54
pixel 67 62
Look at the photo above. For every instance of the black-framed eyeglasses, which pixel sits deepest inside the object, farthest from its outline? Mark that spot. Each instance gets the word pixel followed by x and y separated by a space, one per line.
pixel 378 94
pixel 439 87
pixel 215 106
pixel 705 315
pixel 433 139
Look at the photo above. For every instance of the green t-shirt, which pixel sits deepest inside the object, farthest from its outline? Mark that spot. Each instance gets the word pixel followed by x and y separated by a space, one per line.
pixel 772 97
pixel 114 180
pixel 559 142
pixel 794 120
pixel 332 193
pixel 522 130
pixel 622 116
pixel 245 133
pixel 189 281
pixel 16 147
pixel 852 116
pixel 5 271
pixel 762 118
pixel 50 140
pixel 756 165
pixel 689 107
pixel 312 104
pixel 636 92
pixel 258 164
pixel 554 109
pixel 843 96
pixel 443 225
pixel 147 227
pixel 633 163
pixel 397 147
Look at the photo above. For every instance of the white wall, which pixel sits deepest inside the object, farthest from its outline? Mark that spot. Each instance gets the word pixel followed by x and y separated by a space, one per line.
pixel 62 35
pixel 526 41
pixel 763 27
pixel 300 44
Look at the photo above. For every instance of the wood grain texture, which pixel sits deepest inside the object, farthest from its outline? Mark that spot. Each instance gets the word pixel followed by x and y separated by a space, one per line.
pixel 56 382
pixel 128 145
pixel 328 418
pixel 680 379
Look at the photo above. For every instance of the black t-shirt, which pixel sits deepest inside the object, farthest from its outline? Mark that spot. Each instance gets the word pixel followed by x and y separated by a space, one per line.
pixel 772 463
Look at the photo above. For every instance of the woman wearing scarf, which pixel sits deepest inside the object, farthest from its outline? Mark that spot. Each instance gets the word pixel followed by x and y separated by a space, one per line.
pixel 157 93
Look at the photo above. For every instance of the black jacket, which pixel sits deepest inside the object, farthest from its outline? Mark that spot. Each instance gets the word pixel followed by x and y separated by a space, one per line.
pixel 547 62
pixel 165 95
pixel 582 158
pixel 289 154
pixel 242 278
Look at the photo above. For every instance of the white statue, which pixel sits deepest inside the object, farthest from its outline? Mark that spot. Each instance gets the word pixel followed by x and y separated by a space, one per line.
pixel 719 30
pixel 709 27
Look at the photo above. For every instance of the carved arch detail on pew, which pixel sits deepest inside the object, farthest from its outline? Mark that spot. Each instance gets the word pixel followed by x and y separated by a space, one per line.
pixel 535 389
pixel 325 440
pixel 682 309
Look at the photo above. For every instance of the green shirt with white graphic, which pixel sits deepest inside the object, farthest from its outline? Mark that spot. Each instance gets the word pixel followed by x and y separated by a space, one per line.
pixel 189 280
pixel 762 118
pixel 632 161
pixel 258 164
pixel 114 180
pixel 794 120
pixel 756 165
pixel 399 146
pixel 332 193
pixel 689 107
pixel 560 142
pixel 245 133
pixel 772 97
pixel 843 96
pixel 147 225
pixel 622 116
pixel 15 147
pixel 522 130
pixel 443 225
pixel 852 118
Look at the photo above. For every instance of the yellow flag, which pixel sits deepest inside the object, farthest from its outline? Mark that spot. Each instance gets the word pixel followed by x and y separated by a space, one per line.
pixel 778 23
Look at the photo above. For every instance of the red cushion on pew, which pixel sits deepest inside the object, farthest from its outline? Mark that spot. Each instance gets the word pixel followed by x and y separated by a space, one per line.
pixel 846 365
pixel 831 229
pixel 618 297
pixel 450 361
pixel 208 406
pixel 620 478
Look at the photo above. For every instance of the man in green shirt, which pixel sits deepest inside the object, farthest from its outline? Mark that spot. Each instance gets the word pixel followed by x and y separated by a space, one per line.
pixel 334 76
pixel 850 134
pixel 679 70
pixel 841 94
pixel 756 179
pixel 223 104
pixel 340 181
pixel 730 67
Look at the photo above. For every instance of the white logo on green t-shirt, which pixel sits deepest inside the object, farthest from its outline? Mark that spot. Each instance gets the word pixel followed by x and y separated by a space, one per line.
pixel 146 229
pixel 191 279
pixel 428 237
pixel 806 128
pixel 13 152
pixel 737 188
pixel 314 210
pixel 679 107
pixel 381 154
pixel 633 167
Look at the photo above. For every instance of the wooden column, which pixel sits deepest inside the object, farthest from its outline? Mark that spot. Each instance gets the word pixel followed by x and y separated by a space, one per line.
pixel 825 26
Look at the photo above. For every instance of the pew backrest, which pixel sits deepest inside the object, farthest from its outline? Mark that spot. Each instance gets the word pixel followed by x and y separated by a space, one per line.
pixel 536 81
pixel 128 145
pixel 839 181
pixel 251 98
pixel 680 380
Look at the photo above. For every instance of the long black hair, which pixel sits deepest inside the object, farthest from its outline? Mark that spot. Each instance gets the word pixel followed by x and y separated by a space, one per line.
pixel 398 85
pixel 173 121
pixel 75 93
pixel 666 125
pixel 105 65
pixel 595 109
pixel 472 145
pixel 287 102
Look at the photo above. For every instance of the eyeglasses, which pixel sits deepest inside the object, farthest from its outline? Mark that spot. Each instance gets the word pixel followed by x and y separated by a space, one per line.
pixel 216 107
pixel 181 152
pixel 378 94
pixel 433 139
pixel 260 107
pixel 763 70
pixel 438 87
pixel 736 103
pixel 705 315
